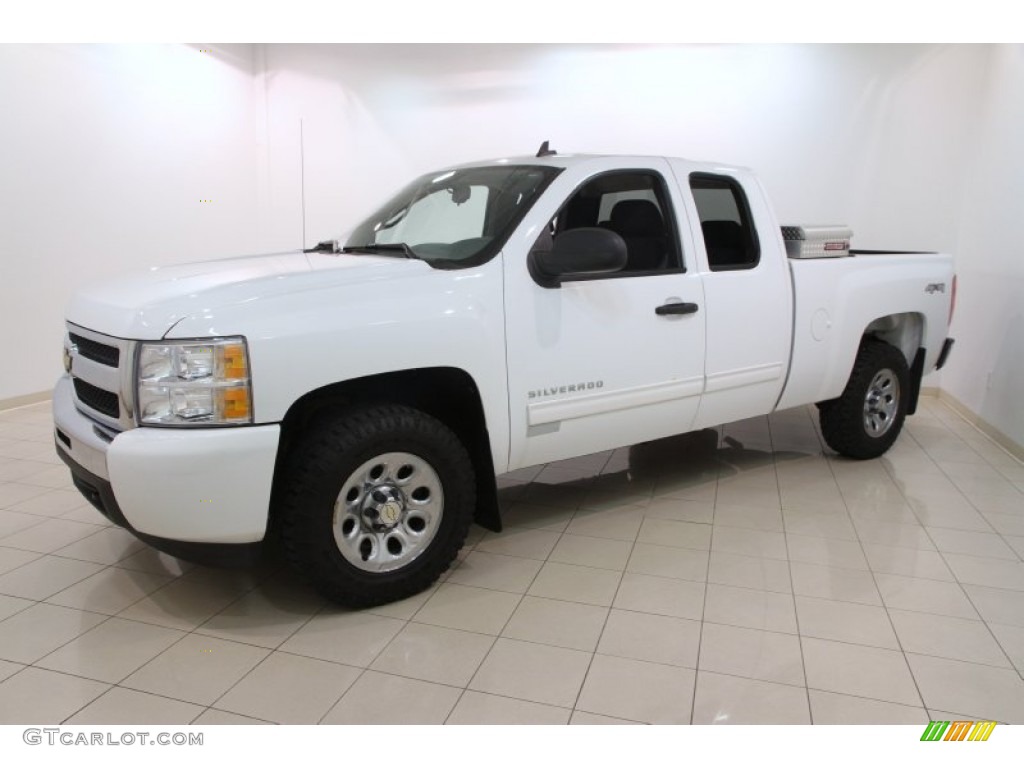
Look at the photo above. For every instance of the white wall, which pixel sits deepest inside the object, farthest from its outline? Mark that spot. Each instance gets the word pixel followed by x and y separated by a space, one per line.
pixel 111 149
pixel 105 155
pixel 873 136
pixel 986 371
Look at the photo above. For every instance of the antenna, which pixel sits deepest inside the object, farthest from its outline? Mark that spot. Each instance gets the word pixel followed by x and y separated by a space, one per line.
pixel 544 150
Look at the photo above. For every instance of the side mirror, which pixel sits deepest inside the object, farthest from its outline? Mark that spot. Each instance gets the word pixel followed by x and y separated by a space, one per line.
pixel 578 253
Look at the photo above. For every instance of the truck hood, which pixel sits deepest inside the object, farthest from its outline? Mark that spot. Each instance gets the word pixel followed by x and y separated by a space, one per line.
pixel 147 305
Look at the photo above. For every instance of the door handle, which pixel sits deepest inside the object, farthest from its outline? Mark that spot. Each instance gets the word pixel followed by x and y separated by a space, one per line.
pixel 676 308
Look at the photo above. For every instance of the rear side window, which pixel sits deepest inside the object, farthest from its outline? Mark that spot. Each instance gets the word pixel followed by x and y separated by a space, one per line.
pixel 725 221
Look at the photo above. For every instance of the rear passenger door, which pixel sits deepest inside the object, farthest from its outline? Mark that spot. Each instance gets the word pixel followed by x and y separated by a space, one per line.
pixel 748 297
pixel 606 361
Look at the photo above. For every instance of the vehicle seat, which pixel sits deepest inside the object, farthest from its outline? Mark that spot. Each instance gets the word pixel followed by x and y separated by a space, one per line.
pixel 640 224
pixel 724 243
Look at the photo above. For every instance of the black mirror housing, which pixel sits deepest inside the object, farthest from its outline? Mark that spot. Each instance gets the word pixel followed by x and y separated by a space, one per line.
pixel 577 253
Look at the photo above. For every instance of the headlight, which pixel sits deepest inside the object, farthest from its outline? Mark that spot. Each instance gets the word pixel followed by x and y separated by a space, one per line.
pixel 194 383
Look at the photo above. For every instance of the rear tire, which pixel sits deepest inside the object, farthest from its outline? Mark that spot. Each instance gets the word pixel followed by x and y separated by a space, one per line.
pixel 375 504
pixel 864 421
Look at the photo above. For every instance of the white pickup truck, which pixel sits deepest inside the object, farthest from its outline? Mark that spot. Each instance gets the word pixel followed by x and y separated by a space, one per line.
pixel 360 399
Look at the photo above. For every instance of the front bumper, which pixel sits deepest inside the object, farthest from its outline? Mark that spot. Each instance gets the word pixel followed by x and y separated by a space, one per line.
pixel 208 486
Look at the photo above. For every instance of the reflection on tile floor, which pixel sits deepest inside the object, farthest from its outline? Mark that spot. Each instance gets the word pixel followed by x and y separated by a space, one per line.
pixel 738 575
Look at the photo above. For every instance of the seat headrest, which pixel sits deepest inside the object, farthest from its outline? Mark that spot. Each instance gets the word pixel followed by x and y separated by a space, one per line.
pixel 722 233
pixel 637 218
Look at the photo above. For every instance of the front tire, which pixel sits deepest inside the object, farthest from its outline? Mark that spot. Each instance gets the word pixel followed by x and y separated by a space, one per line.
pixel 864 421
pixel 375 504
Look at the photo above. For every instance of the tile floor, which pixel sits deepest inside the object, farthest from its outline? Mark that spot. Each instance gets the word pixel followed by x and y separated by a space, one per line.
pixel 738 575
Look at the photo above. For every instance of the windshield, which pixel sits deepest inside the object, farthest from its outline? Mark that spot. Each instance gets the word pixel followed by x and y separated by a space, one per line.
pixel 453 218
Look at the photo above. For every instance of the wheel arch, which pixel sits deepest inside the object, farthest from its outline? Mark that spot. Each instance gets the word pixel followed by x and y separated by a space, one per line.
pixel 903 330
pixel 448 394
pixel 906 331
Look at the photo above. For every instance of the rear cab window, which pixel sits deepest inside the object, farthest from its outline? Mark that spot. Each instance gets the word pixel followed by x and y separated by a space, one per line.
pixel 726 223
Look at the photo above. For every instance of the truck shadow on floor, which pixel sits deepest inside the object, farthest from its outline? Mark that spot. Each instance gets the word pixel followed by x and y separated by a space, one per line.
pixel 687 466
pixel 266 603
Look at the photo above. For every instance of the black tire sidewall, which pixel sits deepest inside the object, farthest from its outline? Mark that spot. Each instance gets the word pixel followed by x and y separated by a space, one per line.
pixel 842 419
pixel 309 509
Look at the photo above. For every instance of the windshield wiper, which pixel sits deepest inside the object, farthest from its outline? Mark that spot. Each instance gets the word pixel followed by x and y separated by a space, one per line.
pixel 402 248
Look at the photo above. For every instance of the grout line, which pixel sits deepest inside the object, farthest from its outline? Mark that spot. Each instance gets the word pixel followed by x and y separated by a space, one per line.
pixel 789 568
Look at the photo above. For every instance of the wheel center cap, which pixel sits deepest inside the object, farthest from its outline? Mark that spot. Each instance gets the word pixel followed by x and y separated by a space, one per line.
pixel 391 512
pixel 383 508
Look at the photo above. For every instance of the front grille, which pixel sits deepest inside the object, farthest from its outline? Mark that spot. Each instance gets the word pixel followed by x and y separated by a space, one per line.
pixel 97 399
pixel 101 353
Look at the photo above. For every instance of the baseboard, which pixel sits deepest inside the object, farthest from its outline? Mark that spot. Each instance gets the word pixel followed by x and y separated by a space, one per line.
pixel 22 400
pixel 1004 441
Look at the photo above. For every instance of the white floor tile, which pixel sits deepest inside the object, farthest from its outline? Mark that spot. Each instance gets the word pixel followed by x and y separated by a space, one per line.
pixel 857 670
pixel 668 562
pixel 34 696
pixel 591 551
pixel 758 518
pixel 1002 606
pixel 434 654
pixel 666 597
pixel 948 637
pixel 8 668
pixel 728 700
pixel 531 543
pixel 110 591
pixel 196 669
pixel 833 553
pixel 475 708
pixel 770 656
pixel 1011 640
pixel 468 608
pixel 745 541
pixel 638 690
pixel 846 622
pixel 289 689
pixel 111 651
pixel 219 717
pixel 910 594
pixel 971 543
pixel 576 583
pixel 120 706
pixel 844 584
pixel 30 634
pixel 187 602
pixel 557 622
pixel 539 673
pixel 45 576
pixel 903 561
pixel 352 638
pixel 751 608
pixel 751 572
pixel 490 571
pixel 589 718
pixel 709 550
pixel 673 533
pixel 971 689
pixel 829 708
pixel 380 699
pixel 648 637
pixel 11 559
pixel 266 616
pixel 987 571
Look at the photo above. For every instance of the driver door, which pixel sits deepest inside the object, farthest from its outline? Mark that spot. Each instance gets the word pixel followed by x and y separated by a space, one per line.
pixel 606 361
